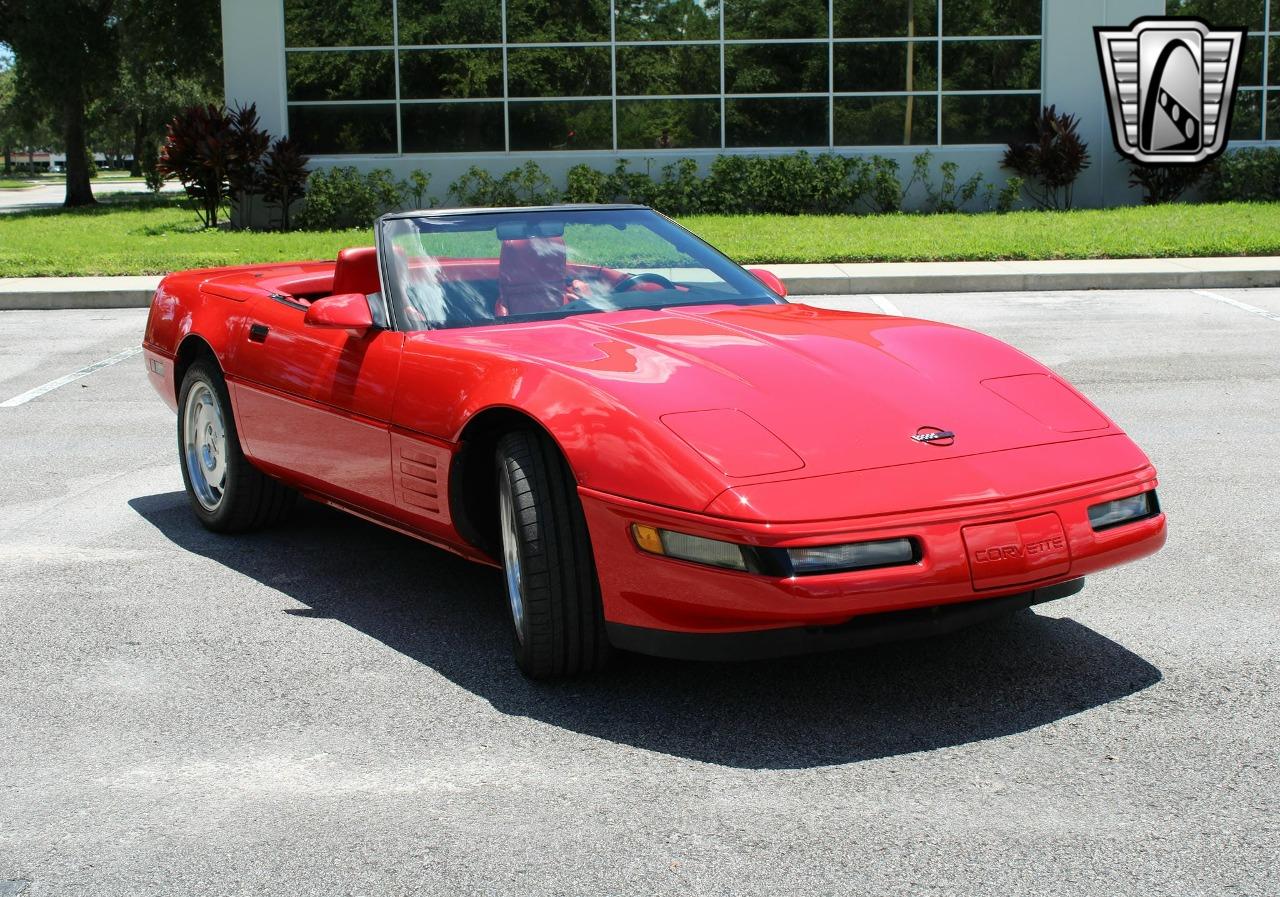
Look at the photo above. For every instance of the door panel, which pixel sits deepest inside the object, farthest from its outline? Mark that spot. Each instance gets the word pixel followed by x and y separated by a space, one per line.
pixel 314 404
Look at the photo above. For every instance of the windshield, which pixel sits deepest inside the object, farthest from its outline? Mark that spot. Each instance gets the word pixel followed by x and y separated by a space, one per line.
pixel 481 268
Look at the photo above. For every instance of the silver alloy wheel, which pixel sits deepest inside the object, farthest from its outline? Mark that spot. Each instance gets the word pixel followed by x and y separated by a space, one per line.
pixel 204 445
pixel 511 552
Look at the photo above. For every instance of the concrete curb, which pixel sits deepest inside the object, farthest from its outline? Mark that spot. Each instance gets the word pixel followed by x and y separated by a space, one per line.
pixel 76 292
pixel 981 277
pixel 801 280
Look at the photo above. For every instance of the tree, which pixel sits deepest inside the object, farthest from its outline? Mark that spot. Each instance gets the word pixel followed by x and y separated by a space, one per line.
pixel 8 123
pixel 133 63
pixel 64 50
pixel 170 59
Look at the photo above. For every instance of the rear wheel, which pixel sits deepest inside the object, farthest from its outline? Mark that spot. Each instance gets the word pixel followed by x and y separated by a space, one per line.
pixel 551 583
pixel 227 493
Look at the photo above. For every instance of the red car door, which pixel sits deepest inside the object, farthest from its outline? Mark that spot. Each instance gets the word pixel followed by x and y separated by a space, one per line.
pixel 314 404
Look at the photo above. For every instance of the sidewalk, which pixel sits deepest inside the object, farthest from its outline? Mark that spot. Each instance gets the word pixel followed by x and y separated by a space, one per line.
pixel 801 280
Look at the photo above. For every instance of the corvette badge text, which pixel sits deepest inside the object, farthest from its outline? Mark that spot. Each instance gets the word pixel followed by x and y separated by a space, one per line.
pixel 1012 552
pixel 1171 83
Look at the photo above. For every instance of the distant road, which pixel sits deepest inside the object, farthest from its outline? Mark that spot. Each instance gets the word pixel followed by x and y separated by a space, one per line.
pixel 50 196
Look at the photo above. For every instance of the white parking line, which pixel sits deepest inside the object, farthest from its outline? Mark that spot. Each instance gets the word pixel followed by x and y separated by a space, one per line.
pixel 885 305
pixel 69 378
pixel 1245 306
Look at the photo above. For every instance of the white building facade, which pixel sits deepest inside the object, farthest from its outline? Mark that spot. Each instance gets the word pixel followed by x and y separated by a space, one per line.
pixel 442 85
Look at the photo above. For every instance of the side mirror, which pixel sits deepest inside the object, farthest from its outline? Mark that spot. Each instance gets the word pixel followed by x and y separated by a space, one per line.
pixel 769 279
pixel 345 311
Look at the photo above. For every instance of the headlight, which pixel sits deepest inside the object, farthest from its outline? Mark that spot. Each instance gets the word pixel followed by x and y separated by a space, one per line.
pixel 853 556
pixel 689 548
pixel 1124 510
pixel 779 562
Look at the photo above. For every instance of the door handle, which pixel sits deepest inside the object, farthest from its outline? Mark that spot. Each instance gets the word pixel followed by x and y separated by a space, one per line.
pixel 258 333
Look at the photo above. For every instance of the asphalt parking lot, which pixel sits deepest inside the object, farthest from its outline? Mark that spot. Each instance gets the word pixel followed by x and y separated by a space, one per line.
pixel 331 709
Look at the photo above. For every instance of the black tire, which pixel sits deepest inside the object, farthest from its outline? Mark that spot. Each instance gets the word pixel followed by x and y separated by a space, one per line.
pixel 248 499
pixel 562 631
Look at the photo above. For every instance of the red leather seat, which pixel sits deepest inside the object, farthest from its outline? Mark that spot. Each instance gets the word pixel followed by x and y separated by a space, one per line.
pixel 357 271
pixel 532 276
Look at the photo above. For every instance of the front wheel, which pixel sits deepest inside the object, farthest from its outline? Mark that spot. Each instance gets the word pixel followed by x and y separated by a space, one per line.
pixel 227 493
pixel 551 584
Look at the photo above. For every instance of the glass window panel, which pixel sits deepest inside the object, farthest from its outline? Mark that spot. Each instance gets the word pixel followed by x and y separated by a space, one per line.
pixel 337 23
pixel 886 18
pixel 775 68
pixel 344 130
pixel 902 65
pixel 991 65
pixel 450 22
pixel 1246 119
pixel 451 127
pixel 553 21
pixel 668 124
pixel 565 125
pixel 341 75
pixel 1251 62
pixel 668 19
pixel 1273 112
pixel 558 72
pixel 450 74
pixel 989 119
pixel 886 121
pixel 662 70
pixel 781 122
pixel 1221 13
pixel 1273 55
pixel 976 17
pixel 775 19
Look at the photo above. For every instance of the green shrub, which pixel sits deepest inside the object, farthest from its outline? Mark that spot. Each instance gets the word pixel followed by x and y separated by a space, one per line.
pixel 342 197
pixel 416 186
pixel 527 185
pixel 788 184
pixel 680 192
pixel 585 184
pixel 885 192
pixel 1246 175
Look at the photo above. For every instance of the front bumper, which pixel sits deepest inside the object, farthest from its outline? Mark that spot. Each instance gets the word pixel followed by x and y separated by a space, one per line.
pixel 641 591
pixel 869 629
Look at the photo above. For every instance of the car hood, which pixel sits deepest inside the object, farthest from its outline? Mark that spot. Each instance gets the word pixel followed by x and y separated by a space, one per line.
pixel 788 391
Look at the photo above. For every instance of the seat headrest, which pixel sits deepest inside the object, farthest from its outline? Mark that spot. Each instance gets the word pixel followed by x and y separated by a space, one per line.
pixel 357 271
pixel 531 274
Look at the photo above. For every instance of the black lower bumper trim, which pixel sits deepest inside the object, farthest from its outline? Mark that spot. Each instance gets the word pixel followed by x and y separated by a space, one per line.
pixel 869 629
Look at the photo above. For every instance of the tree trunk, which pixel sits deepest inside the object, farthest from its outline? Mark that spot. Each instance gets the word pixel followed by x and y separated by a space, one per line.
pixel 139 141
pixel 911 73
pixel 79 190
pixel 8 159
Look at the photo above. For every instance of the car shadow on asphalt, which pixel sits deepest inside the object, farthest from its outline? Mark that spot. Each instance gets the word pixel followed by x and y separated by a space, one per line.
pixel 993 680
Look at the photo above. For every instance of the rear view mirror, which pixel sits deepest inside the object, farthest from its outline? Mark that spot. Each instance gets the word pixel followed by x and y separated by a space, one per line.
pixel 523 230
pixel 769 279
pixel 345 311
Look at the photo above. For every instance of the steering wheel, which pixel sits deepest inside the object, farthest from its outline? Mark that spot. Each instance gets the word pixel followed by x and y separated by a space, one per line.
pixel 628 283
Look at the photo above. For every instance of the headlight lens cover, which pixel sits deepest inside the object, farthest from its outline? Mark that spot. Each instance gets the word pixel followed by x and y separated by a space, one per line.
pixel 1124 510
pixel 852 556
pixel 779 562
pixel 689 548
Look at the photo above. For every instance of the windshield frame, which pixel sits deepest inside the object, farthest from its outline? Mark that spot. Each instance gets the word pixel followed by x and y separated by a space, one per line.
pixel 394 303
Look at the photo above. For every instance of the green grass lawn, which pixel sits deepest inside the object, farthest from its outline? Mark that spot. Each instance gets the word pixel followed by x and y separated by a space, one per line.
pixel 157 236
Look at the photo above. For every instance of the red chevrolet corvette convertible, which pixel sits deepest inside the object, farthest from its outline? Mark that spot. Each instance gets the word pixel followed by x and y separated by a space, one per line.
pixel 661 453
